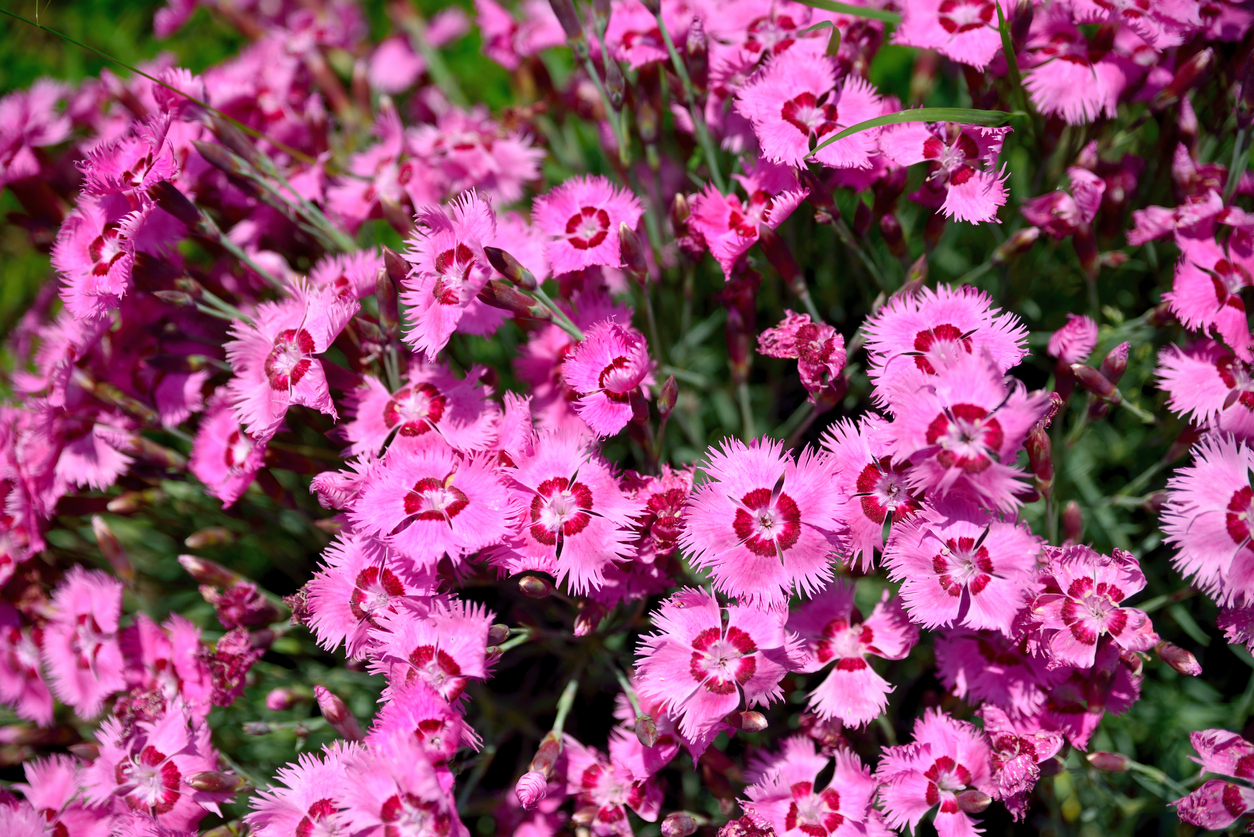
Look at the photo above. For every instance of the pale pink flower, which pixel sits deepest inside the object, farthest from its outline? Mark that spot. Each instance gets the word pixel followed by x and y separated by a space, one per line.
pixel 1206 293
pixel 832 630
pixel 605 786
pixel 31 120
pixel 650 759
pixel 1017 751
pixel 80 646
pixel 1237 623
pixel 225 457
pixel 1067 75
pixel 633 36
pixel 415 710
pixel 581 219
pixel 789 797
pixel 275 357
pixel 987 667
pixel 946 758
pixel 469 150
pixel 1209 516
pixel 665 501
pixel 963 30
pixel 699 662
pixel 431 502
pixel 168 661
pixel 305 799
pixel 1081 604
pixel 964 164
pixel 605 369
pixel 53 786
pixel 1076 705
pixel 1209 386
pixel 1075 341
pixel 764 524
pixel 444 647
pixel 818 348
pixel 1218 804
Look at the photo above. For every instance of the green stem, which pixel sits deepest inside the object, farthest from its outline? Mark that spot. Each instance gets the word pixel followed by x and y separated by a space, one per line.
pixel 1240 159
pixel 627 689
pixel 524 636
pixel 690 101
pixel 611 114
pixel 747 430
pixel 559 316
pixel 564 703
pixel 1160 777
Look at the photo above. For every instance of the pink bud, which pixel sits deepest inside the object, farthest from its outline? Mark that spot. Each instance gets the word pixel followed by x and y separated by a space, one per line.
pixel 212 781
pixel 281 699
pixel 747 721
pixel 646 731
pixel 974 801
pixel 535 587
pixel 498 634
pixel 1072 522
pixel 208 572
pixel 678 824
pixel 1110 762
pixel 111 548
pixel 212 536
pixel 531 788
pixel 1179 659
pixel 1093 381
pixel 1115 362
pixel 588 618
pixel 667 396
pixel 337 714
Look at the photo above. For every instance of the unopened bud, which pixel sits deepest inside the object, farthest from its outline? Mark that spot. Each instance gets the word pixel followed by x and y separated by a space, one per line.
pixel 385 293
pixel 1093 381
pixel 1179 659
pixel 498 634
pixel 633 254
pixel 531 788
pixel 680 210
pixel 546 756
pixel 535 586
pixel 502 295
pixel 780 257
pixel 615 84
pixel 747 721
pixel 1115 362
pixel 568 17
pixel 111 548
pixel 588 618
pixel 1040 455
pixel 916 276
pixel 208 572
pixel 338 717
pixel 87 751
pixel 678 824
pixel 667 396
pixel 818 194
pixel 1072 522
pixel 282 699
pixel 974 801
pixel 602 11
pixel 890 228
pixel 167 196
pixel 698 58
pixel 1113 259
pixel 1015 246
pixel 235 139
pixel 509 267
pixel 129 502
pixel 1190 73
pixel 646 731
pixel 256 728
pixel 210 536
pixel 1109 762
pixel 213 781
pixel 1021 22
pixel 176 298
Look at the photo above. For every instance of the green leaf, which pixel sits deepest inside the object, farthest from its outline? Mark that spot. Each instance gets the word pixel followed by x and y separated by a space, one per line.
pixel 965 116
pixel 852 11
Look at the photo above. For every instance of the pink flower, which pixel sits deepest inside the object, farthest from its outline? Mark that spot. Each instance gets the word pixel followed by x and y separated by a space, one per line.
pixel 962 427
pixel 31 120
pixel 946 758
pixel 699 662
pixel 94 253
pixel 444 647
pixel 507 40
pixel 964 164
pixel 275 357
pixel 80 645
pixel 1218 804
pixel 1017 751
pixel 605 369
pixel 360 581
pixel 305 799
pixel 167 661
pixel 233 656
pixel 794 104
pixel 960 565
pixel 572 518
pixel 449 270
pixel 22 685
pixel 431 403
pixel 415 711
pixel 1081 604
pixel 987 667
pixel 225 457
pixel 352 275
pixel 1076 705
pixel 914 337
pixel 1209 386
pixel 431 502
pixel 819 349
pixel 1069 76
pixel 1237 623
pixel 633 35
pixel 581 218
pixel 963 30
pixel 877 488
pixel 1209 516
pixel 1075 341
pixel 833 630
pixel 789 797
pixel 394 789
pixel 665 501
pixel 608 788
pixel 1206 293
pixel 764 524
pixel 469 150
pixel 53 786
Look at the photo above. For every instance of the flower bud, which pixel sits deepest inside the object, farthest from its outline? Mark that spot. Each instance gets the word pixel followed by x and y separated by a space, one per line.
pixel 1179 659
pixel 210 536
pixel 747 721
pixel 1188 75
pixel 678 824
pixel 588 618
pixel 337 714
pixel 568 17
pixel 546 756
pixel 633 254
pixel 167 196
pixel 129 502
pixel 818 194
pixel 535 586
pixel 1112 259
pixel 256 728
pixel 1115 362
pixel 698 54
pixel 1093 381
pixel 680 210
pixel 646 731
pixel 973 801
pixel 509 267
pixel 176 298
pixel 1021 22
pixel 208 572
pixel 1109 762
pixel 213 781
pixel 615 84
pixel 667 396
pixel 111 548
pixel 87 751
pixel 500 295
pixel 1040 455
pixel 1015 246
pixel 498 634
pixel 282 699
pixel 385 292
pixel 602 11
pixel 890 228
pixel 916 276
pixel 780 257
pixel 235 139
pixel 531 788
pixel 1072 522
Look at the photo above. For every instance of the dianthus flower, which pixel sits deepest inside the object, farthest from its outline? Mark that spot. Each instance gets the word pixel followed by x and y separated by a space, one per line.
pixel 876 487
pixel 168 660
pixel 275 357
pixel 1069 76
pixel 1237 623
pixel 53 787
pixel 361 580
pixel 964 165
pixel 962 428
pixel 699 662
pixel 607 788
pixel 305 799
pixel 987 667
pixel 1061 213
pixel 962 30
pixel 764 524
pixel 432 502
pixel 414 710
pixel 352 275
pixel 394 790
pixel 787 794
pixel 1017 752
pixel 443 647
pixel 22 685
pixel 634 37
pixel 1210 386
pixel 508 40
pixel 572 518
pixel 225 457
pixel 605 369
pixel 1206 292
pixel 946 758
pixel 665 511
pixel 31 120
pixel 80 645
pixel 469 150
pixel 94 253
pixel 833 631
pixel 650 759
pixel 1218 804
pixel 581 219
pixel 1075 341
pixel 960 565
pixel 1076 705
pixel 818 348
pixel 1080 604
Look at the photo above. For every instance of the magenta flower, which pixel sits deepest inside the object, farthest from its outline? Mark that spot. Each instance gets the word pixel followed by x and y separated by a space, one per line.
pixel 1218 804
pixel 414 710
pixel 431 502
pixel 1237 623
pixel 305 799
pixel 964 165
pixel 877 488
pixel 633 36
pixel 987 667
pixel 360 582
pixel 818 348
pixel 94 252
pixel 275 357
pixel 1068 75
pixel 432 402
pixel 609 789
pixel 1209 516
pixel 352 275
pixel 80 645
pixel 444 647
pixel 960 565
pixel 1017 752
pixel 508 40
pixel 31 120
pixel 833 630
pixel 394 790
pixel 1081 604
pixel 469 150
pixel 581 218
pixel 1206 293
pixel 962 428
pixel 946 758
pixel 1076 705
pixel 225 457
pixel 728 226
pixel 572 518
pixel 914 337
pixel 22 685
pixel 1075 341
pixel 765 524
pixel 52 788
pixel 962 30
pixel 788 795
pixel 167 662
pixel 605 369
pixel 1209 386
pixel 699 662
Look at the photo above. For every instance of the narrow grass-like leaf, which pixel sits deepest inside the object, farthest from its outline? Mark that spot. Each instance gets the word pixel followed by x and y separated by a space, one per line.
pixel 852 11
pixel 964 116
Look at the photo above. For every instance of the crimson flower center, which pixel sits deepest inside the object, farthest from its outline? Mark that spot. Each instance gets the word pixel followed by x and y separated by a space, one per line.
pixel 452 268
pixel 884 491
pixel 1240 515
pixel 106 249
pixel 438 668
pixel 618 379
pixel 317 821
pixel 237 450
pixel 87 640
pixel 771 33
pixel 406 815
pixel 432 499
pixel 958 16
pixel 560 508
pixel 968 437
pixel 960 563
pixel 767 524
pixel 416 409
pixel 588 228
pixel 814 814
pixel 373 592
pixel 1091 608
pixel 1236 376
pixel 721 661
pixel 948 777
pixel 808 115
pixel 290 358
pixel 150 781
pixel 846 642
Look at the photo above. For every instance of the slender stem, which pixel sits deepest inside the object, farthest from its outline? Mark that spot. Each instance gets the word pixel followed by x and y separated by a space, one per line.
pixel 472 781
pixel 808 301
pixel 1240 159
pixel 747 429
pixel 1141 413
pixel 690 100
pixel 847 237
pixel 564 703
pixel 611 114
pixel 1158 776
pixel 524 636
pixel 559 316
pixel 628 689
pixel 224 306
